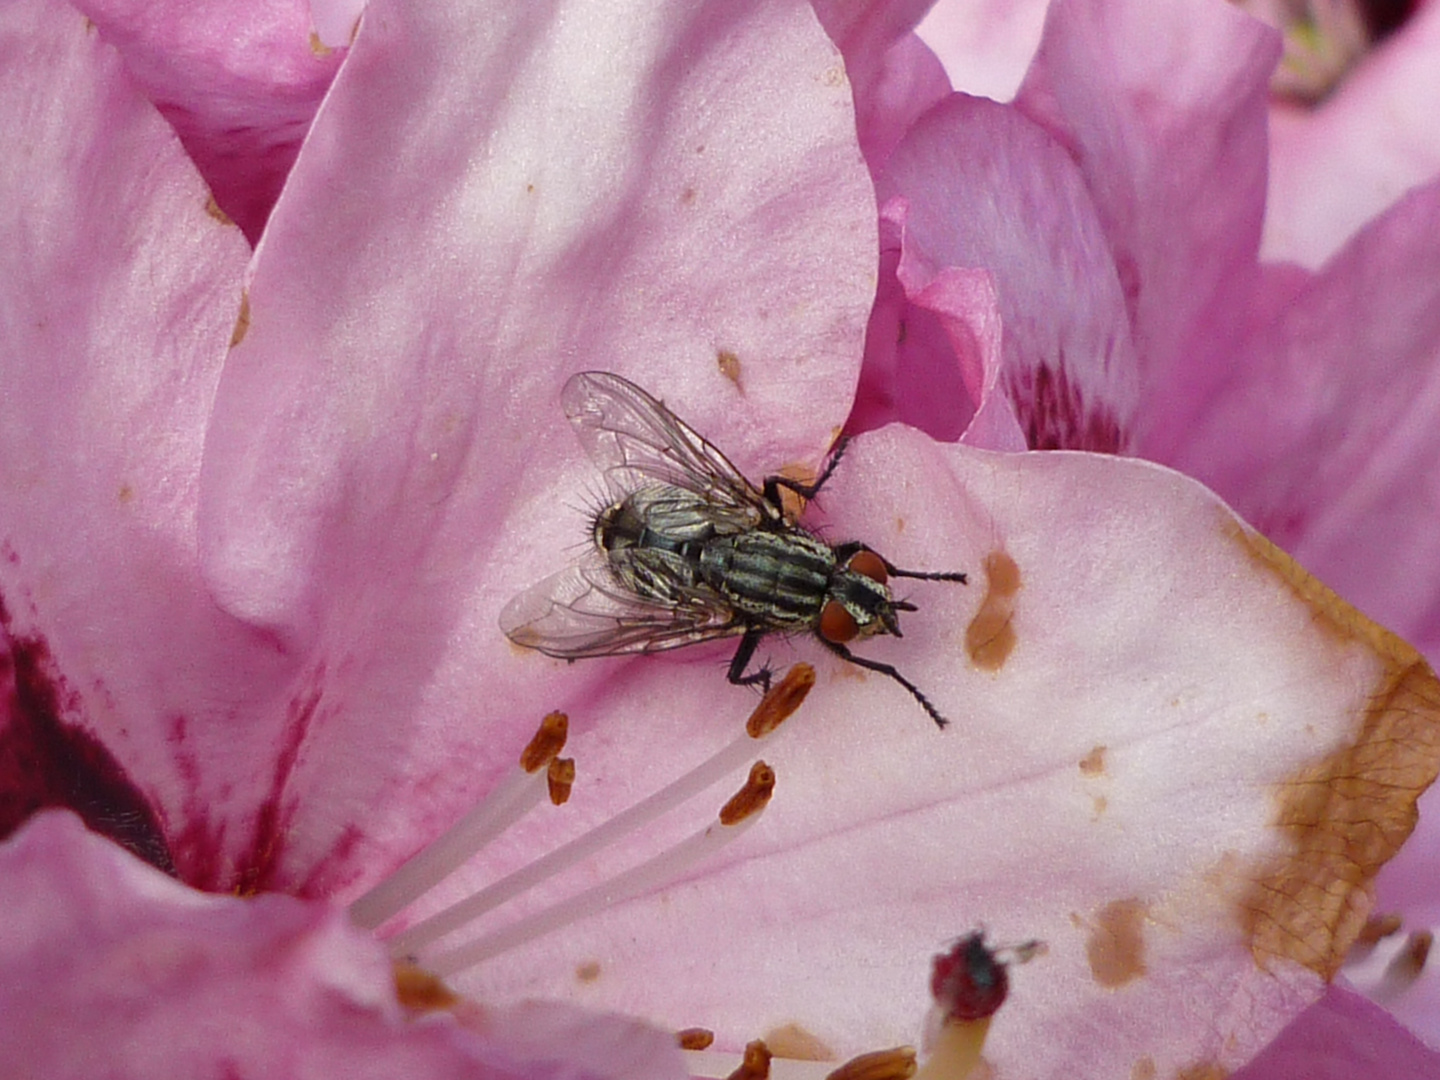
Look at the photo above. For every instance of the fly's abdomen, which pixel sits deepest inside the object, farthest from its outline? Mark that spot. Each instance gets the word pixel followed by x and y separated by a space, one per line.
pixel 779 578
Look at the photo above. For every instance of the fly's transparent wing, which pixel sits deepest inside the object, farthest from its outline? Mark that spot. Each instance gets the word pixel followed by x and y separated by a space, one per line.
pixel 583 611
pixel 635 439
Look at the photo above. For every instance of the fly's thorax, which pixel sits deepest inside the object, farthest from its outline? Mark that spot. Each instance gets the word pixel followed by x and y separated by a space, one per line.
pixel 778 578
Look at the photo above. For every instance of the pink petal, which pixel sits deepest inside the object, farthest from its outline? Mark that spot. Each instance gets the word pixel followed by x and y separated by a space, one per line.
pixel 1340 1037
pixel 986 189
pixel 985 45
pixel 113 970
pixel 239 82
pixel 119 287
pixel 1163 106
pixel 1336 166
pixel 1325 439
pixel 388 464
pixel 1111 779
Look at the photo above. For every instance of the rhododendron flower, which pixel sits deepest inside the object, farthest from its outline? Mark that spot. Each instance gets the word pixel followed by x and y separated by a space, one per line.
pixel 261 512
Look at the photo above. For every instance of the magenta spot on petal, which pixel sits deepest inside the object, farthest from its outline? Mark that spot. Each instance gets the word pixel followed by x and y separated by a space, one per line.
pixel 1054 414
pixel 255 869
pixel 47 762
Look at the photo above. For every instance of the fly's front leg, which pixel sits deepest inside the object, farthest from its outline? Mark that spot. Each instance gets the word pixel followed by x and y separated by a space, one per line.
pixel 773 484
pixel 744 653
pixel 886 669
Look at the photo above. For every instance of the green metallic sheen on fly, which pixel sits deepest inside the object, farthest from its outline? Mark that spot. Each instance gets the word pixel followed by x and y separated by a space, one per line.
pixel 691 551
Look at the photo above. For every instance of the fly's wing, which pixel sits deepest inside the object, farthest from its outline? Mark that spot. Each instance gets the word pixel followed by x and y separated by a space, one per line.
pixel 635 439
pixel 583 611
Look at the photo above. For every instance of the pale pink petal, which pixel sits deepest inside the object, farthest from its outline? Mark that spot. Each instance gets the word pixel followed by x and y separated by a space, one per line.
pixel 1163 106
pixel 1337 165
pixel 239 82
pixel 110 969
pixel 119 286
pixel 474 217
pixel 985 45
pixel 1109 785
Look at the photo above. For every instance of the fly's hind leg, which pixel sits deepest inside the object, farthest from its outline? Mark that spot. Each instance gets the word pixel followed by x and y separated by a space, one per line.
pixel 744 653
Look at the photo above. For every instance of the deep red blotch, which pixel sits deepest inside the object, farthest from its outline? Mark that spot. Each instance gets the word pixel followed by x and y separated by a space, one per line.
pixel 47 761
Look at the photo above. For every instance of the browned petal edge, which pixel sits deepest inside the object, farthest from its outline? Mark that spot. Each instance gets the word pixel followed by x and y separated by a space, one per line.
pixel 242 320
pixel 213 209
pixel 1347 813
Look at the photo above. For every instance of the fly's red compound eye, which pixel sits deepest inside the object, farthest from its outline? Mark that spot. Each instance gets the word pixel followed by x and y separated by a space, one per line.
pixel 836 624
pixel 868 564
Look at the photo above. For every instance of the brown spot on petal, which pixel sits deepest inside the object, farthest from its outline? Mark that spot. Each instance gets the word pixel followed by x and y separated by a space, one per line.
pixel 242 321
pixel 419 991
pixel 1346 814
pixel 213 209
pixel 1116 947
pixel 318 47
pixel 1143 1069
pixel 587 971
pixel 794 1042
pixel 990 637
pixel 729 365
pixel 1093 763
pixel 1409 962
pixel 127 494
pixel 1206 1070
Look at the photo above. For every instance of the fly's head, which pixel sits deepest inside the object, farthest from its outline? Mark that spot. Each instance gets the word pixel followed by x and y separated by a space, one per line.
pixel 858 603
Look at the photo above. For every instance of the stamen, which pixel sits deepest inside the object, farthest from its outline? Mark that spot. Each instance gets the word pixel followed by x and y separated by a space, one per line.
pixel 1409 962
pixel 695 1038
pixel 896 1064
pixel 752 798
pixel 1379 927
pixel 775 707
pixel 650 876
pixel 511 799
pixel 781 701
pixel 559 779
pixel 755 1065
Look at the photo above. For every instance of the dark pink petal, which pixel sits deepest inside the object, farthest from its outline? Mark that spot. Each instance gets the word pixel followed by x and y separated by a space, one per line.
pixel 112 970
pixel 674 193
pixel 119 287
pixel 1335 166
pixel 239 82
pixel 1341 1037
pixel 1163 106
pixel 987 191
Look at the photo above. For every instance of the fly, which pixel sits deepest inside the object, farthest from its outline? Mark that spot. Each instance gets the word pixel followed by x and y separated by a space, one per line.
pixel 691 551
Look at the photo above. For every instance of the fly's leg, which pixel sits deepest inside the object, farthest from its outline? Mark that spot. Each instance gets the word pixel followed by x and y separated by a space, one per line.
pixel 845 552
pixel 744 653
pixel 886 669
pixel 773 484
